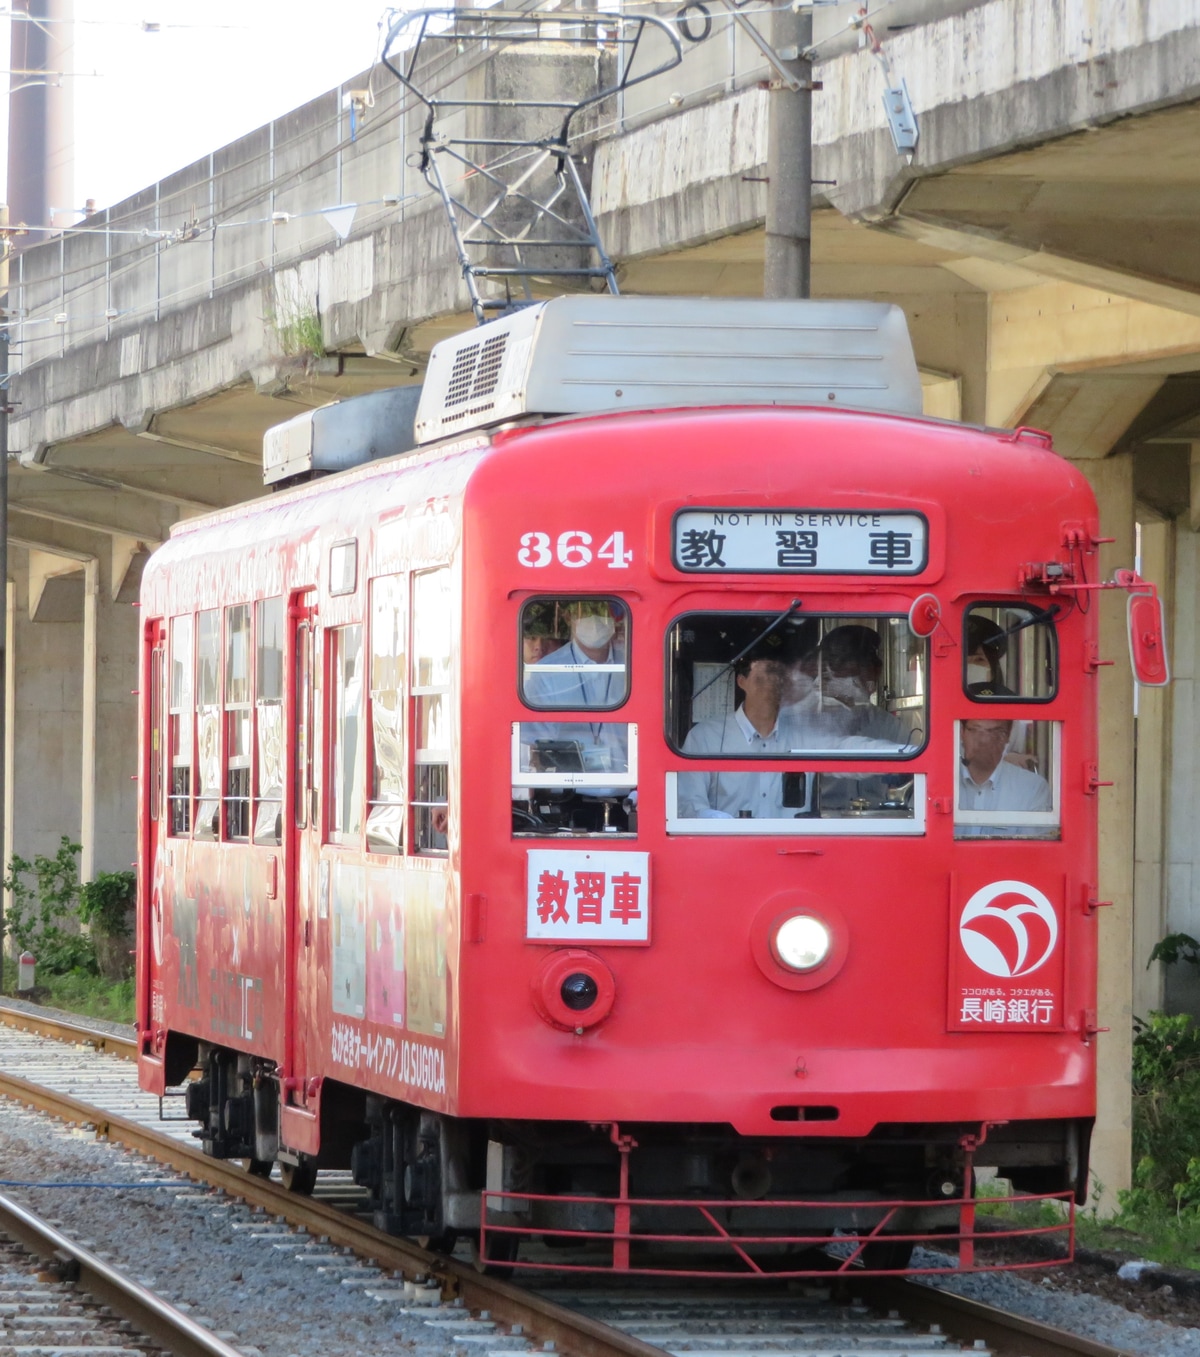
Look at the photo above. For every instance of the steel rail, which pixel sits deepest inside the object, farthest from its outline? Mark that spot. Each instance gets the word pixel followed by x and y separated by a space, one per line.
pixel 1007 1334
pixel 58 1029
pixel 150 1315
pixel 577 1334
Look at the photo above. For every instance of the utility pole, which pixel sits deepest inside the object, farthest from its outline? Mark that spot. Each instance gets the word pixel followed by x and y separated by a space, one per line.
pixel 787 271
pixel 41 115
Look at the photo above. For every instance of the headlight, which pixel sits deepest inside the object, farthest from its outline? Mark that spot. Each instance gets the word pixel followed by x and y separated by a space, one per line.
pixel 801 942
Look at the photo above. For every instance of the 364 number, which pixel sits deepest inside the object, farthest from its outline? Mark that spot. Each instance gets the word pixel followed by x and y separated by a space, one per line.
pixel 573 549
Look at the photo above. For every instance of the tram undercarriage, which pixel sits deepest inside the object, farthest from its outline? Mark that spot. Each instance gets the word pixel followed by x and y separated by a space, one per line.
pixel 645 1188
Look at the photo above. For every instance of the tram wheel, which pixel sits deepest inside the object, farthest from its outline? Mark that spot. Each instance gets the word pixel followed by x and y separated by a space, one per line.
pixel 259 1168
pixel 299 1178
pixel 438 1243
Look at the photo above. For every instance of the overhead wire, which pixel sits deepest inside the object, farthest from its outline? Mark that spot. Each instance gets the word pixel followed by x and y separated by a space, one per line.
pixel 444 72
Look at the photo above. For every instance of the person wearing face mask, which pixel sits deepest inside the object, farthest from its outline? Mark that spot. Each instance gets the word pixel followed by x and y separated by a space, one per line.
pixel 757 727
pixel 851 667
pixel 986 648
pixel 589 671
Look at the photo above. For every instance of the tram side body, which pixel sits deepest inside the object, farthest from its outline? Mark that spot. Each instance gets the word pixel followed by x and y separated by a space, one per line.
pixel 243 948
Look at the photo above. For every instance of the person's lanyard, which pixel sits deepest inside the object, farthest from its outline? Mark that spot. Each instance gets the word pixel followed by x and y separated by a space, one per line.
pixel 596 727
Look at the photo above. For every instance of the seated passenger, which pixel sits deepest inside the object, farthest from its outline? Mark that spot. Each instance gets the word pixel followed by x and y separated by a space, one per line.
pixel 587 672
pixel 593 644
pixel 851 667
pixel 539 637
pixel 987 781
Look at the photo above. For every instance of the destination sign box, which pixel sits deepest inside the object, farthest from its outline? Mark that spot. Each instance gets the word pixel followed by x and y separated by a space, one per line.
pixel 799 542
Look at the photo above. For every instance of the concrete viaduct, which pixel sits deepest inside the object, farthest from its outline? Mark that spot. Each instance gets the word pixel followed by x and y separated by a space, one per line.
pixel 1042 243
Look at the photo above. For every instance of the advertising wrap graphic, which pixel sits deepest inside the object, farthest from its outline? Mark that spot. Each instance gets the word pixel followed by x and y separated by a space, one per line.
pixel 1006 956
pixel 1008 929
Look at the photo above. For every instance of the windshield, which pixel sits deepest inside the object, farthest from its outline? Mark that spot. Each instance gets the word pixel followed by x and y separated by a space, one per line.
pixel 834 685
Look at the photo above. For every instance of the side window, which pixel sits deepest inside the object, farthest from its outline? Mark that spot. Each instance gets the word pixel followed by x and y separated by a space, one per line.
pixel 574 653
pixel 208 722
pixel 1008 778
pixel 345 725
pixel 1010 653
pixel 431 643
pixel 182 718
pixel 385 818
pixel 157 752
pixel 237 722
pixel 268 717
pixel 302 752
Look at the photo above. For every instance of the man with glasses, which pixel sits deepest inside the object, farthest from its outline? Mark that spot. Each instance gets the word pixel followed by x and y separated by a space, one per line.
pixel 987 781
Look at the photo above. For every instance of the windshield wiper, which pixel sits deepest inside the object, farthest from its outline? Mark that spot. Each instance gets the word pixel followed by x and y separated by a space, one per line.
pixel 1036 615
pixel 794 606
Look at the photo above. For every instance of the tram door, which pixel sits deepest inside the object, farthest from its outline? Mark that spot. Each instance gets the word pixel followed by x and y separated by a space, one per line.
pixel 154 829
pixel 301 864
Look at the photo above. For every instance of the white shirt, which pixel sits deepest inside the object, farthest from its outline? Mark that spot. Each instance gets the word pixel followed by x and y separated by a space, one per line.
pixel 1008 788
pixel 715 794
pixel 604 745
pixel 727 794
pixel 576 688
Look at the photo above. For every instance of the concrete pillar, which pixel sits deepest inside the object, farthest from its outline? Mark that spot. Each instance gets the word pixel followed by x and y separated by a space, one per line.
pixel 1182 849
pixel 1157 536
pixel 87 739
pixel 73 747
pixel 44 729
pixel 1112 480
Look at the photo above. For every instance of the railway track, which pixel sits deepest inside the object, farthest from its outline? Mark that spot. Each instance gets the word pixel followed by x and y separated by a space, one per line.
pixel 58 1297
pixel 79 1075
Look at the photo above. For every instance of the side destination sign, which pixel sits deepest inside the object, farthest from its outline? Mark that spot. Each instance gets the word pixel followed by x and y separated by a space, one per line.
pixel 799 542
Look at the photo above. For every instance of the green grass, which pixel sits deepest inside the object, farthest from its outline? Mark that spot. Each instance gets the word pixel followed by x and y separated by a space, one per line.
pixel 90 995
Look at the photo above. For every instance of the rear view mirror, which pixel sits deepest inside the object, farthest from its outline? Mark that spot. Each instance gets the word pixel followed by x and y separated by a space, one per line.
pixel 1148 640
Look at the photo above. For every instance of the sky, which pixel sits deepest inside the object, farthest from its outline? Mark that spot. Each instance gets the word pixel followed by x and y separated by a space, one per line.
pixel 217 69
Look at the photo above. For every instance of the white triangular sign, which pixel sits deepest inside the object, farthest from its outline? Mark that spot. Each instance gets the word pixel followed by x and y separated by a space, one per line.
pixel 341 219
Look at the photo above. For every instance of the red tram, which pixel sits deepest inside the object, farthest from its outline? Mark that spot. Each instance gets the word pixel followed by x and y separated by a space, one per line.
pixel 658 804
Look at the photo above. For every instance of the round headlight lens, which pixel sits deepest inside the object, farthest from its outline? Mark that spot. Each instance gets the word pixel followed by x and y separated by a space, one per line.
pixel 802 942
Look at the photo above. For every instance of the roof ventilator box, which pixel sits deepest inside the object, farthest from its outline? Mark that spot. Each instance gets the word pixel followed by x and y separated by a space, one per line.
pixel 343 434
pixel 588 355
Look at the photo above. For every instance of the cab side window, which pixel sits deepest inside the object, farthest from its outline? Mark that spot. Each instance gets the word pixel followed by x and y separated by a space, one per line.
pixel 1010 653
pixel 574 653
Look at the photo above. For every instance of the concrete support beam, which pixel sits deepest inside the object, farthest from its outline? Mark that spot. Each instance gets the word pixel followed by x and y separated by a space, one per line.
pixel 53 587
pixel 125 551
